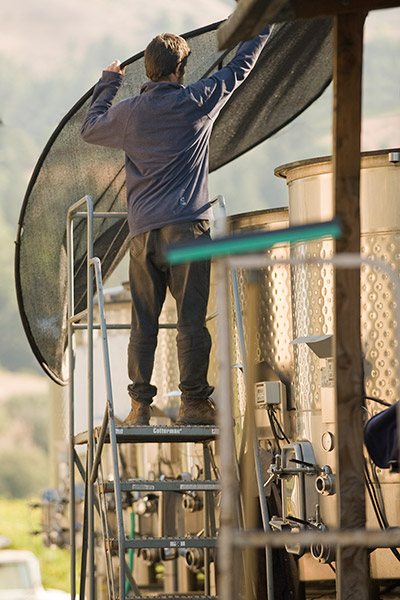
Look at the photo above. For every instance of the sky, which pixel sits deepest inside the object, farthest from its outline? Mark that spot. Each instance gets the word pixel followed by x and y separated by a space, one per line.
pixel 48 33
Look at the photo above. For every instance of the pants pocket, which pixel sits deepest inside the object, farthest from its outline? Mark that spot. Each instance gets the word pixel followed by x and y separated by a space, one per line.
pixel 137 244
pixel 201 229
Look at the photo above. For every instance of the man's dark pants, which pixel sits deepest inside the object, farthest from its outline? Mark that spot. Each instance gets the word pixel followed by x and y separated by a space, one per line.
pixel 189 284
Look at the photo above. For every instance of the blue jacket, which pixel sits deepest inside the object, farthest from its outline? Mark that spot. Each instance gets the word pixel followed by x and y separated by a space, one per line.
pixel 165 133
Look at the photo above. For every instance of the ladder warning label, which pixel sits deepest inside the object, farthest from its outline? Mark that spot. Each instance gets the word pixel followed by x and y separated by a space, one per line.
pixel 196 486
pixel 176 544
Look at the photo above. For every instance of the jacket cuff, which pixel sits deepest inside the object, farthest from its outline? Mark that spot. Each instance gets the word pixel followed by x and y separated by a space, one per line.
pixel 111 76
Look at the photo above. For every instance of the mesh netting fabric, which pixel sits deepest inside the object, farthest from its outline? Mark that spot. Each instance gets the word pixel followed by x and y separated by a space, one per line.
pixel 293 70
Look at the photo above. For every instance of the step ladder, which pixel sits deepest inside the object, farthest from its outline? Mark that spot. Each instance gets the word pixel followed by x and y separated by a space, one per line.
pixel 99 489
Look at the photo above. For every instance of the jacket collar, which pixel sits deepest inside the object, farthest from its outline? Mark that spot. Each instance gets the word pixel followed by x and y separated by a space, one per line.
pixel 154 86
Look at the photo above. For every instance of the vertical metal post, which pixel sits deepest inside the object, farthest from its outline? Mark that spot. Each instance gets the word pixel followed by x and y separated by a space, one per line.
pixel 207 551
pixel 229 491
pixel 70 252
pixel 90 397
pixel 117 495
pixel 248 475
pixel 263 502
pixel 82 586
pixel 113 440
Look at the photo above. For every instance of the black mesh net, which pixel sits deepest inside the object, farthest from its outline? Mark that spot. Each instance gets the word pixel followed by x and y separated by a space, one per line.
pixel 293 70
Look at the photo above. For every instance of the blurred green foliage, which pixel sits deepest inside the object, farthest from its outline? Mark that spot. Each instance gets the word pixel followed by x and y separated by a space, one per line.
pixel 24 463
pixel 18 521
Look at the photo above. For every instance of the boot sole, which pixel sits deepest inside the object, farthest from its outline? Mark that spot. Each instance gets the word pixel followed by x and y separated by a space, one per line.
pixel 195 422
pixel 137 423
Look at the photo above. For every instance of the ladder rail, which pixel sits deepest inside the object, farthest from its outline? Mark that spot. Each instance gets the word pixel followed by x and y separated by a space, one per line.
pixel 73 210
pixel 109 416
pixel 107 535
pixel 210 529
pixel 71 407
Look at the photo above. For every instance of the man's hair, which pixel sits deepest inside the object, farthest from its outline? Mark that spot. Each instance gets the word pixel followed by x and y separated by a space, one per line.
pixel 164 53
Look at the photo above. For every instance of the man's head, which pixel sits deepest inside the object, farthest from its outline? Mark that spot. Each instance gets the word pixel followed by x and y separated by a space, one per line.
pixel 166 55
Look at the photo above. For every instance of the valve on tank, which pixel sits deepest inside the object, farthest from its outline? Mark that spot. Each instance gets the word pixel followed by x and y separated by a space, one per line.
pixel 169 554
pixel 192 502
pixel 147 505
pixel 194 558
pixel 323 553
pixel 54 527
pixel 151 556
pixel 325 482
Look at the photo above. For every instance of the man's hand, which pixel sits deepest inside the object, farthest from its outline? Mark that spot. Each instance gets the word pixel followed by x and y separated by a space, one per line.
pixel 115 67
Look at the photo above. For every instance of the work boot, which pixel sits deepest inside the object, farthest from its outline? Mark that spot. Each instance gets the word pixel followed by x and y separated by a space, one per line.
pixel 196 412
pixel 139 415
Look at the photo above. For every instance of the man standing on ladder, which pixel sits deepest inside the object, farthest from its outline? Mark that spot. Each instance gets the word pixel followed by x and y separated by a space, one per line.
pixel 165 133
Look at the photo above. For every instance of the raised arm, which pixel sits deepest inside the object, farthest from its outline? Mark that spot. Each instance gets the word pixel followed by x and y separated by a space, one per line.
pixel 212 93
pixel 105 123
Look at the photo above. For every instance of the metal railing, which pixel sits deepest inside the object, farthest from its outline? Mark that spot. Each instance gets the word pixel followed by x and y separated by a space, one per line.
pixel 93 273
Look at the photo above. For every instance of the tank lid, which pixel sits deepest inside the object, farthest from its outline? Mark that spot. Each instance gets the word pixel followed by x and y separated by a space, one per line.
pixel 266 217
pixel 320 165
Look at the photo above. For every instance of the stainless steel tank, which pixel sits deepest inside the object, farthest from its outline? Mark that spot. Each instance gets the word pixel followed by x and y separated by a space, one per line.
pixel 311 200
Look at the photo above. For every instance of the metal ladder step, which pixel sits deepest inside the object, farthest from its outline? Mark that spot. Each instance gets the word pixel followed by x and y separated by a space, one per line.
pixel 166 485
pixel 158 433
pixel 172 597
pixel 167 542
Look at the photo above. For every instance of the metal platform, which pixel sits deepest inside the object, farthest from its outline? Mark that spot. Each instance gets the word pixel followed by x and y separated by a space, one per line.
pixel 158 433
pixel 166 485
pixel 174 597
pixel 168 542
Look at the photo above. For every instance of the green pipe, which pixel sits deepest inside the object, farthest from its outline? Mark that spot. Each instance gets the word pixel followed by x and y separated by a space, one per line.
pixel 250 242
pixel 130 551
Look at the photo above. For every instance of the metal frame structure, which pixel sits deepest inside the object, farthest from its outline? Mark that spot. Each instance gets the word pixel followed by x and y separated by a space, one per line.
pixel 231 540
